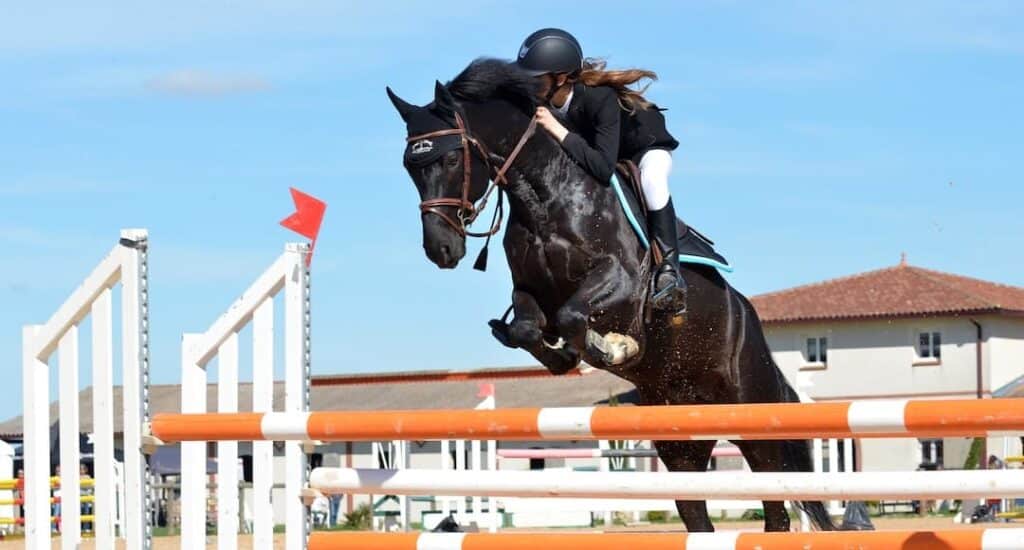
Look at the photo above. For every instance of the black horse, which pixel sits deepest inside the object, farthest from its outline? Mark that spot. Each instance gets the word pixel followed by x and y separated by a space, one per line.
pixel 580 274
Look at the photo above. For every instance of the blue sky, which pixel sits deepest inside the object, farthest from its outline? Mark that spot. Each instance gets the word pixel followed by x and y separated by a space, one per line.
pixel 818 140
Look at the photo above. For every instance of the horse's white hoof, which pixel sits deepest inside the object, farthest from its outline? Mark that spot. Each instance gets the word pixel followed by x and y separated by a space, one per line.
pixel 623 347
pixel 613 348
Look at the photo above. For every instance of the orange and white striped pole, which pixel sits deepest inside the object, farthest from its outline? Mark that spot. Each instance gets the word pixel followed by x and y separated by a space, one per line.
pixel 974 539
pixel 881 418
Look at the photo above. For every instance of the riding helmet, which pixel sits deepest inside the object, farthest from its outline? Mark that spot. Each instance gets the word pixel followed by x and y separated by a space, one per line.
pixel 550 51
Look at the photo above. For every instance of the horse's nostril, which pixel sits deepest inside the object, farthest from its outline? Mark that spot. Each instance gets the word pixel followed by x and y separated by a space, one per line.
pixel 446 252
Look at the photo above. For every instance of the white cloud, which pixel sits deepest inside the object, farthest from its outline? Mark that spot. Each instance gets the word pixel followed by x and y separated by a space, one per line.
pixel 192 82
pixel 56 186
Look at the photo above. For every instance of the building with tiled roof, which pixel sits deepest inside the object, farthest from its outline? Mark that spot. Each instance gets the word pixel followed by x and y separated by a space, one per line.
pixel 896 292
pixel 898 333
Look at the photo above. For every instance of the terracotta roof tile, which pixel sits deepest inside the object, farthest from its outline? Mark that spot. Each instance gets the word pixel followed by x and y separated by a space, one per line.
pixel 901 291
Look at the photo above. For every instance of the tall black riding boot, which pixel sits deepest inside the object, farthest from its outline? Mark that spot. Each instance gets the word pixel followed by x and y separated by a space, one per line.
pixel 669 287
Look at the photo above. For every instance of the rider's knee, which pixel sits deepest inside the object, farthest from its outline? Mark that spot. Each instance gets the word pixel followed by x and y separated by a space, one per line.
pixel 655 167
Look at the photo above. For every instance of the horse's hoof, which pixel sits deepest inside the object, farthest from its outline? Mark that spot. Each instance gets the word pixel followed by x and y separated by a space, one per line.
pixel 566 362
pixel 612 348
pixel 499 330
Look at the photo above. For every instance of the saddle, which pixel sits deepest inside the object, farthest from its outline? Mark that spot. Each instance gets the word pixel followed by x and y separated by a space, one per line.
pixel 693 246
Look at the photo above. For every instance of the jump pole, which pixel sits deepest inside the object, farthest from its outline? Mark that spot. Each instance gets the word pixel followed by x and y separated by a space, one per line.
pixel 554 454
pixel 979 539
pixel 882 418
pixel 674 485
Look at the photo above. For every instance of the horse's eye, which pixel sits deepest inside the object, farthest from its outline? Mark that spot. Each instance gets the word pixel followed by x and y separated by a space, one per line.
pixel 451 158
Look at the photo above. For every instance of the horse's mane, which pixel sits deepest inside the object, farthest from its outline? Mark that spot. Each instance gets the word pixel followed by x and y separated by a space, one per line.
pixel 488 78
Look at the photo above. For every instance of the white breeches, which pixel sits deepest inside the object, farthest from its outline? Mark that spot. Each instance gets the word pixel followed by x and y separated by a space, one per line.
pixel 655 167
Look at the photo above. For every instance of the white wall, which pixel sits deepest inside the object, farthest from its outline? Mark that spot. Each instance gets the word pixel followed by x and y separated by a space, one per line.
pixel 880 455
pixel 1005 337
pixel 878 359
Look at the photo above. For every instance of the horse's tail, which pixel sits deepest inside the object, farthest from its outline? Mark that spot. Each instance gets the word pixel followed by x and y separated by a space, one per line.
pixel 797 455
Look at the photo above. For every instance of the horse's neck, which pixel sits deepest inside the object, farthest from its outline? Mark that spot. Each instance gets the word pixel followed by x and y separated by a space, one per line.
pixel 539 176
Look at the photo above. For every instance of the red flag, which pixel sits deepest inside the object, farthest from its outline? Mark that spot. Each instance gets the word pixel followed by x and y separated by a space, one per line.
pixel 309 212
pixel 486 389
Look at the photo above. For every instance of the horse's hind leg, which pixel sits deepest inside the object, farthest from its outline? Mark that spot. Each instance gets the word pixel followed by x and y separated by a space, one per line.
pixel 689 456
pixel 768 456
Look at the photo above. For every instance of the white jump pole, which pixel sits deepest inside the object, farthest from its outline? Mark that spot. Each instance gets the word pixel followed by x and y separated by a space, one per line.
pixel 460 465
pixel 446 503
pixel 675 485
pixel 833 466
pixel 263 401
pixel 604 466
pixel 487 403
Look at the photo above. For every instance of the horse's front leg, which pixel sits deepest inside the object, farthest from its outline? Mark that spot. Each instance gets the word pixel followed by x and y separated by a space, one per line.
pixel 526 331
pixel 605 291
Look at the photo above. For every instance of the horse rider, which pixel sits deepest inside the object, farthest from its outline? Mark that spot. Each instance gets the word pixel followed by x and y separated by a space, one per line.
pixel 614 122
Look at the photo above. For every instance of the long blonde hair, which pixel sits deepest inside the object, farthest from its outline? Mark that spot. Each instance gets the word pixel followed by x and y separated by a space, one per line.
pixel 593 73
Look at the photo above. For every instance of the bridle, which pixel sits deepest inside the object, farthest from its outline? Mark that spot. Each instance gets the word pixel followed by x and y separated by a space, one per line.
pixel 465 210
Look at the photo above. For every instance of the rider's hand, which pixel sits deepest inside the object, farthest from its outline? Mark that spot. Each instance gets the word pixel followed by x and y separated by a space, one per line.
pixel 548 121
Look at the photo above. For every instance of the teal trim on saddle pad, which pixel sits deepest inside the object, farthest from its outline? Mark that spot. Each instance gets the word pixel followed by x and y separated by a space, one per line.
pixel 637 228
pixel 642 235
pixel 688 259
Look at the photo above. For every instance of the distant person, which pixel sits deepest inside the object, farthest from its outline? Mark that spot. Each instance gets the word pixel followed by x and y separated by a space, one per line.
pixel 55 507
pixel 995 504
pixel 335 506
pixel 320 510
pixel 87 507
pixel 19 491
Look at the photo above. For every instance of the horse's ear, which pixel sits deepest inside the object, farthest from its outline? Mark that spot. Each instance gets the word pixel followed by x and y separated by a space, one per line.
pixel 403 107
pixel 443 99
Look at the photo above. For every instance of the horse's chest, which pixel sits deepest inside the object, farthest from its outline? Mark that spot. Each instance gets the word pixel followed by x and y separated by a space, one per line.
pixel 554 264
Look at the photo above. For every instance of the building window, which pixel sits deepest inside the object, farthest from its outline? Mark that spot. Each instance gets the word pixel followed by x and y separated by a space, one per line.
pixel 929 345
pixel 932 454
pixel 817 350
pixel 536 463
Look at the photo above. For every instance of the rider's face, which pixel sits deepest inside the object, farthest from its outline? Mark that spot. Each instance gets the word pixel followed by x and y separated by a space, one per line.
pixel 552 85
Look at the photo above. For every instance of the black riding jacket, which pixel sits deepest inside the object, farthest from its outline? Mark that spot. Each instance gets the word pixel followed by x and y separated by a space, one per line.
pixel 606 133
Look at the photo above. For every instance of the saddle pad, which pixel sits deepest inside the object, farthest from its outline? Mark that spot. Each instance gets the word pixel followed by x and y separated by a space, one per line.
pixel 637 220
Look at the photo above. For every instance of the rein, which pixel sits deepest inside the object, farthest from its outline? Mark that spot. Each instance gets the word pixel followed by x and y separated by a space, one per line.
pixel 466 211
